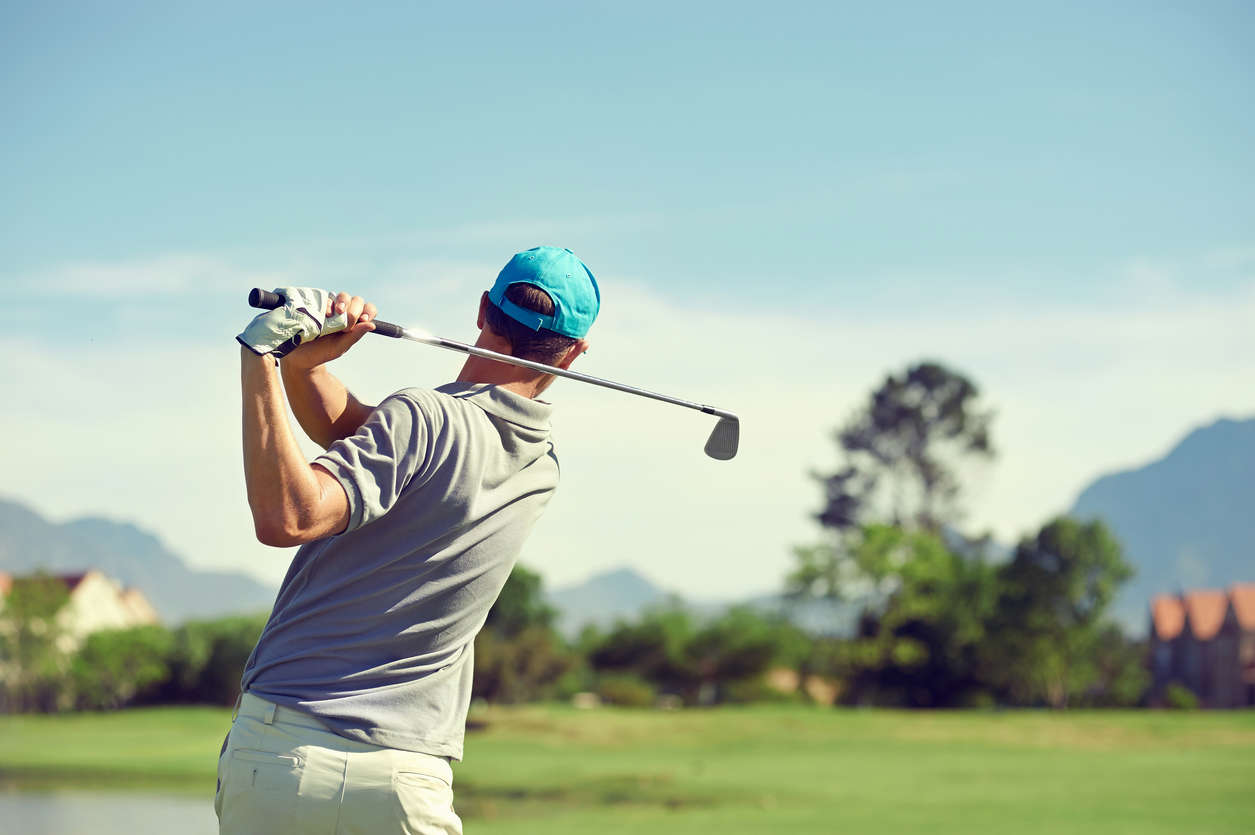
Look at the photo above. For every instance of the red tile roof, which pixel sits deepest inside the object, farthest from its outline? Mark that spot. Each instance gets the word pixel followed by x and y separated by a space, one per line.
pixel 1205 610
pixel 1167 616
pixel 1242 596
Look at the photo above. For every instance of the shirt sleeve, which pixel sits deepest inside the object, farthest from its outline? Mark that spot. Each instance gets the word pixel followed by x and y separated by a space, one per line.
pixel 377 462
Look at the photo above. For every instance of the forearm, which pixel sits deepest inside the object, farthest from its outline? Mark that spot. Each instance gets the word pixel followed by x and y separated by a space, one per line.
pixel 289 501
pixel 323 406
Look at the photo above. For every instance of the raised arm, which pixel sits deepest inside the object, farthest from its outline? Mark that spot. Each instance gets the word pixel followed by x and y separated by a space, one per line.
pixel 323 406
pixel 292 501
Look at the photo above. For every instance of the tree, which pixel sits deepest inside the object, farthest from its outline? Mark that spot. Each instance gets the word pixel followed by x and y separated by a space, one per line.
pixel 900 454
pixel 735 650
pixel 208 659
pixel 518 655
pixel 653 648
pixel 920 644
pixel 901 450
pixel 522 667
pixel 34 663
pixel 1050 617
pixel 116 667
pixel 520 605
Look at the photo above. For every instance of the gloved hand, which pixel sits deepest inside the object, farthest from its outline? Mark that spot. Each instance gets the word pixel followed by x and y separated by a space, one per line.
pixel 303 317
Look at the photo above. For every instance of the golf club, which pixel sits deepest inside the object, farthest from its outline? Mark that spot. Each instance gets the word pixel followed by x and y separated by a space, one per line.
pixel 722 443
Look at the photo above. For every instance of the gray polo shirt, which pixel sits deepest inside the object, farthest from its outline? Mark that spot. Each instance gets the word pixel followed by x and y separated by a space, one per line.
pixel 373 629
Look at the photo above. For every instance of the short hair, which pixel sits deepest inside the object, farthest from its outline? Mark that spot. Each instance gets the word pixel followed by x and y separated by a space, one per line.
pixel 526 343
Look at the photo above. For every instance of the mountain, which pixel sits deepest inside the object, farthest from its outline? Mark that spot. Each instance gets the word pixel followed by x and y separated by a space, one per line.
pixel 29 543
pixel 622 594
pixel 603 599
pixel 1186 520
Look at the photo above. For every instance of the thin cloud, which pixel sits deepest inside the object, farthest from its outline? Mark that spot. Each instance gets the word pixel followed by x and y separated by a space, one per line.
pixel 150 432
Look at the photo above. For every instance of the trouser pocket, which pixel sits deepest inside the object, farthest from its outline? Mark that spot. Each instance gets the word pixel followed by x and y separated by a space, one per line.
pixel 258 790
pixel 426 804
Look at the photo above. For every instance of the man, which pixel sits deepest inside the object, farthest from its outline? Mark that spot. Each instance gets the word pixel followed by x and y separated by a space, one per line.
pixel 355 697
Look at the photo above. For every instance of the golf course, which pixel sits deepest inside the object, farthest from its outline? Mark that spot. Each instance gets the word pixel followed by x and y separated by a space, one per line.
pixel 549 768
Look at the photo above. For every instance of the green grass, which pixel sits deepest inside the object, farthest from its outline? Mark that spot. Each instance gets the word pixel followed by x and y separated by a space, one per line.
pixel 760 769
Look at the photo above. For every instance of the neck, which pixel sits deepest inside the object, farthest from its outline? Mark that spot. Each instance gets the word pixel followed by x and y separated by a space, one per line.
pixel 521 381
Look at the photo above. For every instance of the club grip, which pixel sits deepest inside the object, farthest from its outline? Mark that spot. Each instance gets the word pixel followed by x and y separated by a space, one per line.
pixel 267 300
pixel 264 299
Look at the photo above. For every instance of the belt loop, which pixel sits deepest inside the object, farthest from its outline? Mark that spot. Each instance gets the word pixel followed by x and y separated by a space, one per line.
pixel 271 707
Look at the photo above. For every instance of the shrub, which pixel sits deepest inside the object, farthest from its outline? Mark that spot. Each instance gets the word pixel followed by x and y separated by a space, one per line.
pixel 1179 697
pixel 117 667
pixel 626 691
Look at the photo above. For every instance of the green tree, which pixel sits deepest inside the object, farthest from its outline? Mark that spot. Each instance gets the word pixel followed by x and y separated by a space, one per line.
pixel 523 667
pixel 521 604
pixel 920 644
pixel 208 659
pixel 1122 678
pixel 900 456
pixel 1050 617
pixel 117 667
pixel 904 445
pixel 653 648
pixel 519 656
pixel 34 660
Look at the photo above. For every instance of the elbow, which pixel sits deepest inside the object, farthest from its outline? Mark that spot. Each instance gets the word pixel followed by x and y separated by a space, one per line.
pixel 276 536
pixel 279 530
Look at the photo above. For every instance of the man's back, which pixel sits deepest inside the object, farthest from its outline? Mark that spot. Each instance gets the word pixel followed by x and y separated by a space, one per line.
pixel 372 632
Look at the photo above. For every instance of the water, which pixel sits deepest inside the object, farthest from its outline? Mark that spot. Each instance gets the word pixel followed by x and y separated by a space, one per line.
pixel 105 813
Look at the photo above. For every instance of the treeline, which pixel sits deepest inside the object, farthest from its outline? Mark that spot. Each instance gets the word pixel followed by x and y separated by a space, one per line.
pixel 43 669
pixel 940 627
pixel 944 621
pixel 667 655
pixel 519 656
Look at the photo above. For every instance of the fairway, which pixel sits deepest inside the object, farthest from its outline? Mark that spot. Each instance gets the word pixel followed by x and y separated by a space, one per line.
pixel 743 770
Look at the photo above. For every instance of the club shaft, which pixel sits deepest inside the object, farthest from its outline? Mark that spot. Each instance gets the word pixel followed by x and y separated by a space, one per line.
pixel 267 300
pixel 484 353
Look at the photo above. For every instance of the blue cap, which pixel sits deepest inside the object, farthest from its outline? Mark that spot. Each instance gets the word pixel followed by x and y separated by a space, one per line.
pixel 576 297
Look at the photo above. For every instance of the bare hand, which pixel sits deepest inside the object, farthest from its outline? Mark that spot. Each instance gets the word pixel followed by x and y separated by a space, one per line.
pixel 361 321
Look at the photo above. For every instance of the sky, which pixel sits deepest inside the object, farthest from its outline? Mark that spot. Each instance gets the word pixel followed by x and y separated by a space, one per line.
pixel 782 203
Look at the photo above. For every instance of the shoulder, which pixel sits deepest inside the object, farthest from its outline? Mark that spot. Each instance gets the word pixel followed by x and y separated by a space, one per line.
pixel 422 400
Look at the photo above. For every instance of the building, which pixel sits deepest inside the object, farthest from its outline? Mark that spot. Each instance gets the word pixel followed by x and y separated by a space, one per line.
pixel 1204 640
pixel 95 602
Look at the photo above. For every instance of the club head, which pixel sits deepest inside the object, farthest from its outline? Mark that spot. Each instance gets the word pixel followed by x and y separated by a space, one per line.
pixel 724 439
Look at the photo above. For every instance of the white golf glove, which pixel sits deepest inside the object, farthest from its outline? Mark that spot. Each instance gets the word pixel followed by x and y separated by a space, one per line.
pixel 302 318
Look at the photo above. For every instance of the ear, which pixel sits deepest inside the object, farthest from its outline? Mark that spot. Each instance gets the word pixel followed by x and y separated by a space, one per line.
pixel 483 305
pixel 580 346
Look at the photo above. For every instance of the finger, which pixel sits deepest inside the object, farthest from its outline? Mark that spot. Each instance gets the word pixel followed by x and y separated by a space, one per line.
pixel 342 302
pixel 356 332
pixel 369 311
pixel 354 310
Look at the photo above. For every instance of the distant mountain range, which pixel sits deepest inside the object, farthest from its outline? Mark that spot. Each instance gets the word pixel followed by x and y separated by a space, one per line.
pixel 1186 520
pixel 29 543
pixel 622 594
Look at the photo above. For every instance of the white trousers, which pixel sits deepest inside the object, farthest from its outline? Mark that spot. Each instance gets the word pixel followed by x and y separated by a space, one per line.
pixel 283 771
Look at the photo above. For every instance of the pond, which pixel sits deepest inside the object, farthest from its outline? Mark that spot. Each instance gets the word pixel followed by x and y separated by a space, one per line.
pixel 106 813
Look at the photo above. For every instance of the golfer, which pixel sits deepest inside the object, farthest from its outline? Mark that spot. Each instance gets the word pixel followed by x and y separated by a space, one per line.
pixel 355 697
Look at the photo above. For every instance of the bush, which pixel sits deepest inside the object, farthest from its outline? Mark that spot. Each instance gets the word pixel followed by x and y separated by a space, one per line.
pixel 747 691
pixel 117 667
pixel 1177 696
pixel 519 668
pixel 209 657
pixel 626 691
